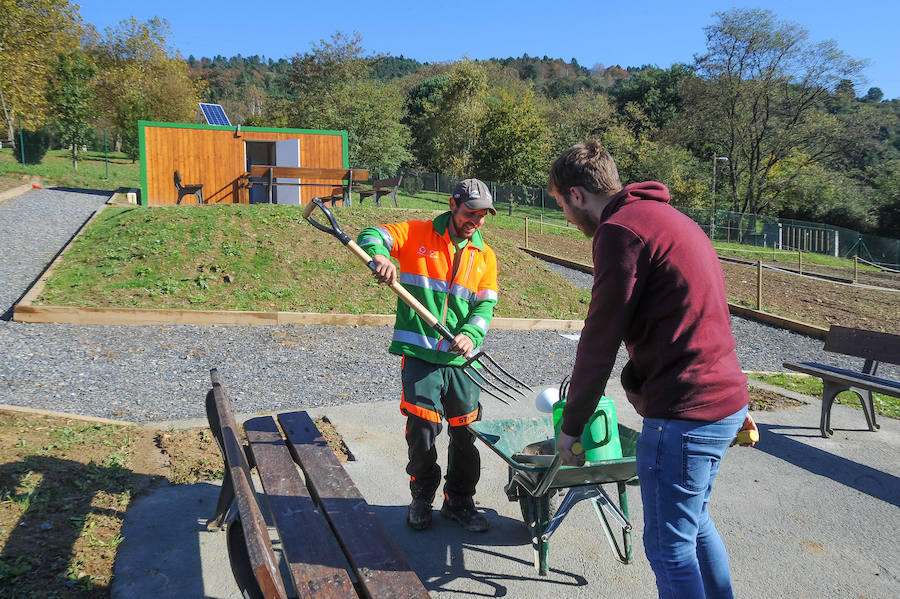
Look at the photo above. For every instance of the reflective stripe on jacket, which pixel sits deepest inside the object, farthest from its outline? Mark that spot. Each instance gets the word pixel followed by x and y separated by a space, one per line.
pixel 463 305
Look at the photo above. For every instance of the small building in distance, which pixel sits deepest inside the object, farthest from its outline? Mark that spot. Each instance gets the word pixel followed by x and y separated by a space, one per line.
pixel 219 156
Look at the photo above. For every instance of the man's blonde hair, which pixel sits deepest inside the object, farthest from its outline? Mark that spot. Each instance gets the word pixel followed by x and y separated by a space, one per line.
pixel 588 165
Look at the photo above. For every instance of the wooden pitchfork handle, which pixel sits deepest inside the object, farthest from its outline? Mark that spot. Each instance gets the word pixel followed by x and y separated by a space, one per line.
pixel 396 287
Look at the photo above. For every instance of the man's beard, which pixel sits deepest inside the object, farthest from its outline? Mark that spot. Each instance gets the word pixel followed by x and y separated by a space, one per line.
pixel 583 220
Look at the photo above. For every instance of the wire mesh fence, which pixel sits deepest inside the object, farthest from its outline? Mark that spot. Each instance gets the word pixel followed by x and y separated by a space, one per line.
pixel 720 225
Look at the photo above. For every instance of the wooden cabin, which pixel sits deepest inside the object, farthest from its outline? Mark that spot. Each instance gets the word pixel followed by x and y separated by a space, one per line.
pixel 219 158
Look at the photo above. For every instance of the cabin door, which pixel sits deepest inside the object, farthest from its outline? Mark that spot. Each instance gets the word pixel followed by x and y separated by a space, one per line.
pixel 260 152
pixel 287 153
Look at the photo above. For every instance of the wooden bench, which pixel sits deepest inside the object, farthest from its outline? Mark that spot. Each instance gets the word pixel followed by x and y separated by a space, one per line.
pixel 873 347
pixel 381 187
pixel 332 543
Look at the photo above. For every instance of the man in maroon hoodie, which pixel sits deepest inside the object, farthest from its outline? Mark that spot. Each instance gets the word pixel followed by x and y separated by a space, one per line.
pixel 658 287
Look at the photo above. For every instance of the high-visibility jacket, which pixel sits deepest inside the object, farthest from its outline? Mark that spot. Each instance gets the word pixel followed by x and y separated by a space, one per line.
pixel 426 255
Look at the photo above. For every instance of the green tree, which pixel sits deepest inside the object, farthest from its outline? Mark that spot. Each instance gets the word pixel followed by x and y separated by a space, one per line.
pixel 513 141
pixel 576 118
pixel 331 89
pixel 71 96
pixel 759 99
pixel 131 108
pixel 420 102
pixel 319 78
pixel 653 93
pixel 451 123
pixel 372 113
pixel 32 34
pixel 140 74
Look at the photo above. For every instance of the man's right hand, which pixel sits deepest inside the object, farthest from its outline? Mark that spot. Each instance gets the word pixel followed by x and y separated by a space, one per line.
pixel 564 448
pixel 385 271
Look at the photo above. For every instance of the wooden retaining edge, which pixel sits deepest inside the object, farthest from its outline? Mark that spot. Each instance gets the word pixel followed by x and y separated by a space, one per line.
pixel 25 312
pixel 588 268
pixel 780 321
pixel 67 415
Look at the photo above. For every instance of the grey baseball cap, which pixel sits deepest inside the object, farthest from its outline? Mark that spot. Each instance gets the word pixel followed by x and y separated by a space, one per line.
pixel 474 194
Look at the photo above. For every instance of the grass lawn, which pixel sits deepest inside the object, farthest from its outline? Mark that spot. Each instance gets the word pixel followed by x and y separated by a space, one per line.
pixel 267 257
pixel 56 169
pixel 885 405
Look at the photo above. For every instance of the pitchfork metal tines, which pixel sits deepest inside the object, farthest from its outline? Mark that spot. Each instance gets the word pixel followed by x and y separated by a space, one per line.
pixel 504 385
pixel 491 378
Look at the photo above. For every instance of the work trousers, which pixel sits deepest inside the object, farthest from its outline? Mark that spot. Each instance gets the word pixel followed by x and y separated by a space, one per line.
pixel 432 393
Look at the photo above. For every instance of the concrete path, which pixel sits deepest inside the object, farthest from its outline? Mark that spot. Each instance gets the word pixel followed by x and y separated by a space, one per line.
pixel 802 517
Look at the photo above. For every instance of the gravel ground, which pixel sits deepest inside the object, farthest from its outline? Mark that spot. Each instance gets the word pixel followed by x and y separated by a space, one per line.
pixel 161 373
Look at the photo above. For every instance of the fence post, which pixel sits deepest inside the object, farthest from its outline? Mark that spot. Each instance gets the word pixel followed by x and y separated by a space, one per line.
pixel 21 142
pixel 542 222
pixel 855 269
pixel 759 284
pixel 774 254
pixel 106 154
pixel 799 261
pixel 526 232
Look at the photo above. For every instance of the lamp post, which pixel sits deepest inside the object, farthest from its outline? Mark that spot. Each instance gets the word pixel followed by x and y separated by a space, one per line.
pixel 712 229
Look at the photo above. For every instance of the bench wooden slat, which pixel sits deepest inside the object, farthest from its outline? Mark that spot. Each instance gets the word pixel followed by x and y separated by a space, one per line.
pixel 316 562
pixel 842 375
pixel 379 565
pixel 871 345
pixel 262 559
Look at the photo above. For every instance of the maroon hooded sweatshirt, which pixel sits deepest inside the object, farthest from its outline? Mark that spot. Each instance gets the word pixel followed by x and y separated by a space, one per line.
pixel 658 287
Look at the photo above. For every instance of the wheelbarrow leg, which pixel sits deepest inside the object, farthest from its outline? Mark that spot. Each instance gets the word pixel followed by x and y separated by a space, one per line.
pixel 625 553
pixel 536 511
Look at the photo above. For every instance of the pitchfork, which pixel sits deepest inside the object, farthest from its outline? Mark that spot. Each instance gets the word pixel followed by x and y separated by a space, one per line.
pixel 502 383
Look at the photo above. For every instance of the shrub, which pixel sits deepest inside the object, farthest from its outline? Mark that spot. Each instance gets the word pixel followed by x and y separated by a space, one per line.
pixel 35 144
pixel 411 184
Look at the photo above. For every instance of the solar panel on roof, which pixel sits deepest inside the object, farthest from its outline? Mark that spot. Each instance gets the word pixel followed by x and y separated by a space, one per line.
pixel 214 114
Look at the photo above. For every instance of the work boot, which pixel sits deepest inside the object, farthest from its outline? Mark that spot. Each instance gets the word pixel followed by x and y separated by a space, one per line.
pixel 419 514
pixel 463 511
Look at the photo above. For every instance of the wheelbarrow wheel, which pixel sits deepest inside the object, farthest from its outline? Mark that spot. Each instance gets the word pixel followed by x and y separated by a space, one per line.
pixel 554 499
pixel 515 493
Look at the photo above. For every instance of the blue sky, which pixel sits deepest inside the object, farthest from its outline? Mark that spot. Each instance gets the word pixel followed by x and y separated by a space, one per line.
pixel 627 33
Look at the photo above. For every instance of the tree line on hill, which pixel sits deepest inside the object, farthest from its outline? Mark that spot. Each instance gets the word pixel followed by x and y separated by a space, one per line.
pixel 763 121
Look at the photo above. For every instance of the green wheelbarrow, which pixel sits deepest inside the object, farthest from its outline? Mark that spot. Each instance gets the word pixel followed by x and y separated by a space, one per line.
pixel 536 477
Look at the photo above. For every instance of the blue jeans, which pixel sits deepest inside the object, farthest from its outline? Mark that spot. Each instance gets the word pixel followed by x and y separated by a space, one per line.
pixel 677 461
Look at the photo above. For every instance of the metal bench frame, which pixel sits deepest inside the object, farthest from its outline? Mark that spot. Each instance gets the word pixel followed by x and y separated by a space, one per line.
pixel 873 347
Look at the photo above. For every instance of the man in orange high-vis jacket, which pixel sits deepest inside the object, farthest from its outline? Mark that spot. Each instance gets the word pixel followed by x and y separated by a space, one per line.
pixel 447 266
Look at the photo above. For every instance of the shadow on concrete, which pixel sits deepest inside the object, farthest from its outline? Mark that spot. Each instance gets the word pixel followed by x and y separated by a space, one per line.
pixel 168 551
pixel 439 556
pixel 865 479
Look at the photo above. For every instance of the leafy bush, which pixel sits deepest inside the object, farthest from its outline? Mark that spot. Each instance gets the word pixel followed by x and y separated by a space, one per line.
pixel 411 184
pixel 35 144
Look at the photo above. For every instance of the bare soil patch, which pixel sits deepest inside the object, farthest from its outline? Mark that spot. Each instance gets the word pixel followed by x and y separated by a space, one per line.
pixel 65 484
pixel 813 301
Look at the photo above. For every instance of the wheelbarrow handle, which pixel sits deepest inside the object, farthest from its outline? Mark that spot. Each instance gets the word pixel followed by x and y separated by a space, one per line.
pixel 396 287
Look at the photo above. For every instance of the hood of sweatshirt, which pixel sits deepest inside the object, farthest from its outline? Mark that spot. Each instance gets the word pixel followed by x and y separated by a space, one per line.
pixel 647 190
